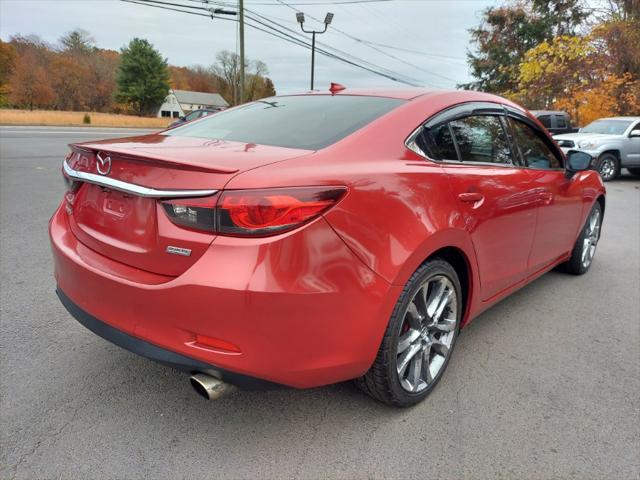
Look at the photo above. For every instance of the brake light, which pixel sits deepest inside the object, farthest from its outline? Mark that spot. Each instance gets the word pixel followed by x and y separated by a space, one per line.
pixel 253 212
pixel 267 212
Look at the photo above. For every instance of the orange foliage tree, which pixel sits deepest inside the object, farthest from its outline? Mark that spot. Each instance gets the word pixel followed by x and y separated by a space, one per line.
pixel 589 76
pixel 7 61
pixel 30 85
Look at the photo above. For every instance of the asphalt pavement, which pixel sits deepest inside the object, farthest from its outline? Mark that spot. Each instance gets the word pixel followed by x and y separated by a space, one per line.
pixel 544 385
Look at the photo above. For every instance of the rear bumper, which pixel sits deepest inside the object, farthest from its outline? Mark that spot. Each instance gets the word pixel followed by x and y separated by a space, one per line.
pixel 303 310
pixel 153 352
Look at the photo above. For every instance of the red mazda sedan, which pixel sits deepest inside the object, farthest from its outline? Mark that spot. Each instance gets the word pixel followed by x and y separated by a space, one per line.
pixel 310 239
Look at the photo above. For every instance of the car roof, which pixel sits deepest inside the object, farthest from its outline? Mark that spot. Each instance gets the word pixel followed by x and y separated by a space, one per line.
pixel 409 93
pixel 399 93
pixel 619 118
pixel 548 112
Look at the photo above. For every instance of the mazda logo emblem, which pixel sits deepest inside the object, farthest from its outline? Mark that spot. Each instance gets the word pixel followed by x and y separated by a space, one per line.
pixel 103 163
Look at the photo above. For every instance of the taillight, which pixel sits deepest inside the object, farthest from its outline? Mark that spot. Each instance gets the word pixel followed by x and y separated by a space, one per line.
pixel 267 212
pixel 197 213
pixel 71 188
pixel 70 184
pixel 253 212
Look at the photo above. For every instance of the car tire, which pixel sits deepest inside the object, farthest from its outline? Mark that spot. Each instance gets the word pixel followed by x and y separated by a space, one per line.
pixel 585 247
pixel 608 167
pixel 419 338
pixel 634 171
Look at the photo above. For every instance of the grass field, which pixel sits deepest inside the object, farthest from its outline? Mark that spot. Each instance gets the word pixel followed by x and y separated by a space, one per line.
pixel 52 117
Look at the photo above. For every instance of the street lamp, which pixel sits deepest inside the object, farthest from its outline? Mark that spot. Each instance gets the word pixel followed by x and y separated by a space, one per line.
pixel 327 21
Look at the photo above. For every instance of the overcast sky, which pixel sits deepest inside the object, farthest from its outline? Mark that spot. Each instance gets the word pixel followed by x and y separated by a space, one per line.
pixel 435 29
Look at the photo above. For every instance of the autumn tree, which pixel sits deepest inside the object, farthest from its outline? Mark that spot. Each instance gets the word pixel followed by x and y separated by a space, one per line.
pixel 33 44
pixel 261 87
pixel 71 81
pixel 196 78
pixel 555 69
pixel 143 79
pixel 30 86
pixel 507 32
pixel 578 74
pixel 202 79
pixel 104 68
pixel 7 62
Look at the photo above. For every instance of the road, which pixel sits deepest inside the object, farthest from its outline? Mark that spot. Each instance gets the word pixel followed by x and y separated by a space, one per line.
pixel 545 384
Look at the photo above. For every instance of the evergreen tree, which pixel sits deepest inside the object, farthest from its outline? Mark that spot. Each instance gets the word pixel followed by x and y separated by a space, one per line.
pixel 143 77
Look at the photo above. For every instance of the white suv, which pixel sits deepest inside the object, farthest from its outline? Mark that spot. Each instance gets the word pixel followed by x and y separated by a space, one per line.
pixel 614 142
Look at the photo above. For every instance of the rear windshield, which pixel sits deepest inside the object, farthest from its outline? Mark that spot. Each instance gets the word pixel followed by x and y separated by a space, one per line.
pixel 309 122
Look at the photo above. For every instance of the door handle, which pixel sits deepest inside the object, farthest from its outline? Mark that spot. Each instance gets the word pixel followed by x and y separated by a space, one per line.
pixel 471 197
pixel 546 197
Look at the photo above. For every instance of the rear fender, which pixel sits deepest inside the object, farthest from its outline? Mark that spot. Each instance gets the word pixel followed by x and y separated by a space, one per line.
pixel 450 238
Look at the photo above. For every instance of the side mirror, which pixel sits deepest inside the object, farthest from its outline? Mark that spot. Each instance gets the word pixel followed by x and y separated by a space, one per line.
pixel 577 161
pixel 634 134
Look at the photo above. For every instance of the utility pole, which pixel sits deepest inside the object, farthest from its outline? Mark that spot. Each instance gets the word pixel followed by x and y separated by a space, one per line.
pixel 222 11
pixel 327 22
pixel 242 83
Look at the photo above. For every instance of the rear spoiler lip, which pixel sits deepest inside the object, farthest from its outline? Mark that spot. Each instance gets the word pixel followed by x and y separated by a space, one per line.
pixel 128 154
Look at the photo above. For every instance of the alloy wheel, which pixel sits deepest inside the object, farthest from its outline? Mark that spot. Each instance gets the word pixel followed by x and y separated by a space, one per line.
pixel 607 168
pixel 592 234
pixel 427 334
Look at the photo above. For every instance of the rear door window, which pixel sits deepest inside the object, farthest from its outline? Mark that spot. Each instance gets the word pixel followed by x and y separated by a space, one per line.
pixel 481 139
pixel 561 122
pixel 437 142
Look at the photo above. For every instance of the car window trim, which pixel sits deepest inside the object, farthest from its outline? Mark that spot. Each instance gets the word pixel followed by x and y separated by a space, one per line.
pixel 518 159
pixel 456 112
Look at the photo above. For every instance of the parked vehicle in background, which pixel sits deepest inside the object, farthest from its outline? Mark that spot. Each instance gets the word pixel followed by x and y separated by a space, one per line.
pixel 613 142
pixel 195 115
pixel 556 122
pixel 311 239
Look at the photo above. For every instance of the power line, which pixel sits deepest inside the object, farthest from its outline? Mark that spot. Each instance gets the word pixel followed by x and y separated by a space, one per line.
pixel 372 46
pixel 417 52
pixel 411 81
pixel 335 2
pixel 391 76
pixel 147 4
pixel 280 34
pixel 359 40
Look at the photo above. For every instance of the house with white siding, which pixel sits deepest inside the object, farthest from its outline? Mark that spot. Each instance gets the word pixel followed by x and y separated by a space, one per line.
pixel 181 102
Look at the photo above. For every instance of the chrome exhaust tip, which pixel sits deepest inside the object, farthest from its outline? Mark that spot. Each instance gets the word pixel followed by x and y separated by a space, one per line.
pixel 210 387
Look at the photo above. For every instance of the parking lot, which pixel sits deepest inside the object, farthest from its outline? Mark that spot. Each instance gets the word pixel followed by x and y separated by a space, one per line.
pixel 545 384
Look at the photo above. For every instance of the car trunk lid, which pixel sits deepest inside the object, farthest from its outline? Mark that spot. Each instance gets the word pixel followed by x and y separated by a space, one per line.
pixel 117 209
